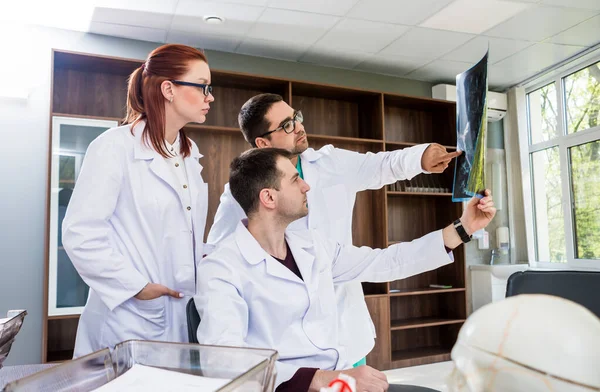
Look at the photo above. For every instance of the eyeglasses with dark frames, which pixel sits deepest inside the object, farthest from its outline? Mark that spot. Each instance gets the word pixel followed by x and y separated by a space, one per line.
pixel 289 126
pixel 207 89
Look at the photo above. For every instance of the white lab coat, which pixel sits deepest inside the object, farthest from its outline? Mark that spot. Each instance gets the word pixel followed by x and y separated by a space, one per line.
pixel 247 298
pixel 125 227
pixel 335 177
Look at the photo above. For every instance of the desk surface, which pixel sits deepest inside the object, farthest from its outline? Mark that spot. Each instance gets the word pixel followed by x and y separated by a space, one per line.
pixel 431 376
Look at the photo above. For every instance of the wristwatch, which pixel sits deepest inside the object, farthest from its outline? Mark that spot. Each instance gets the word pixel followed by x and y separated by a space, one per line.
pixel 461 231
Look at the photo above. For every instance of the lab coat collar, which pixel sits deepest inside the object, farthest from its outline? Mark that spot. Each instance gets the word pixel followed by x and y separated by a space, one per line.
pixel 175 148
pixel 144 151
pixel 249 248
pixel 254 254
pixel 311 155
pixel 141 149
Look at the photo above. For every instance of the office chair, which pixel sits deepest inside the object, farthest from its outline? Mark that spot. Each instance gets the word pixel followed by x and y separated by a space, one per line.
pixel 193 320
pixel 577 286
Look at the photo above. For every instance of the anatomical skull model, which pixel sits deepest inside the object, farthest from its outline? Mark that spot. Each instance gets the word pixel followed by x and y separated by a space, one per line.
pixel 528 343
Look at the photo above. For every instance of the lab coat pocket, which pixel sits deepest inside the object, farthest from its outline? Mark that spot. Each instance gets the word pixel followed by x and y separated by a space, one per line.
pixel 153 313
pixel 150 304
pixel 134 319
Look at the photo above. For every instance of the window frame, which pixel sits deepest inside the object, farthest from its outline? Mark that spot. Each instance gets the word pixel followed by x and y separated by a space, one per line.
pixel 564 142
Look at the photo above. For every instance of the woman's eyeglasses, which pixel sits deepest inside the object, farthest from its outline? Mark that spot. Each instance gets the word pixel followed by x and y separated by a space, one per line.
pixel 206 88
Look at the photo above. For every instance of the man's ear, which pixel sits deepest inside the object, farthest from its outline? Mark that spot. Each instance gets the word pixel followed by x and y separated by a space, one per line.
pixel 267 197
pixel 262 142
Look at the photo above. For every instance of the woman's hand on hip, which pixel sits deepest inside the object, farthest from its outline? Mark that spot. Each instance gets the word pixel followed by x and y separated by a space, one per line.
pixel 155 290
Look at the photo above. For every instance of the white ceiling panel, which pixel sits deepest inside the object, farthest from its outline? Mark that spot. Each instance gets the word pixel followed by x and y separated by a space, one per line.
pixel 259 3
pixel 538 23
pixel 272 49
pixel 291 26
pixel 474 16
pixel 131 32
pixel 329 7
pixel 196 24
pixel 532 60
pixel 500 48
pixel 132 18
pixel 156 6
pixel 585 34
pixel 361 35
pixel 586 4
pixel 222 43
pixel 442 71
pixel 426 43
pixel 334 58
pixel 226 10
pixel 397 11
pixel 391 65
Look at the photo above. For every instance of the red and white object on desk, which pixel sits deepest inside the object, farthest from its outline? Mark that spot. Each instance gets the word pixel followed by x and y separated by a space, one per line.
pixel 344 383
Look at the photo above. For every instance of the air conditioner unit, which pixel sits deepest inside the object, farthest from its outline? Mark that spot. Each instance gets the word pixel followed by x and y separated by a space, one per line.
pixel 497 102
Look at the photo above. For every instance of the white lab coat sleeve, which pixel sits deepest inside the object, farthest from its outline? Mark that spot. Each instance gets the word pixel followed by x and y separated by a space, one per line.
pixel 399 261
pixel 228 216
pixel 224 312
pixel 86 227
pixel 373 171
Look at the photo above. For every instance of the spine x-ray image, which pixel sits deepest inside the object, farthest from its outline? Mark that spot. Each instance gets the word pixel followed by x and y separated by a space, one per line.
pixel 471 131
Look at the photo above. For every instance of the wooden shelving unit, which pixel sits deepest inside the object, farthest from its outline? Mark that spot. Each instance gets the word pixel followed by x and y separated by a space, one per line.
pixel 415 324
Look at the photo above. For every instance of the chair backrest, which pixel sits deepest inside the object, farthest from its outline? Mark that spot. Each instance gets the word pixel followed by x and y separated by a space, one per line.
pixel 577 286
pixel 193 320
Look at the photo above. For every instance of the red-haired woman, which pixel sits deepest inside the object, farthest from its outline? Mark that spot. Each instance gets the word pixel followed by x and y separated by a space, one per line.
pixel 134 227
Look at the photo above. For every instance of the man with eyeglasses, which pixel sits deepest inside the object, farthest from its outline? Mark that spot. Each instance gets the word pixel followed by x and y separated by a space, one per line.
pixel 335 177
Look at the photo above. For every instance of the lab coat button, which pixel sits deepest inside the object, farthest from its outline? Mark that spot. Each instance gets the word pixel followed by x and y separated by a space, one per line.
pixel 189 208
pixel 176 164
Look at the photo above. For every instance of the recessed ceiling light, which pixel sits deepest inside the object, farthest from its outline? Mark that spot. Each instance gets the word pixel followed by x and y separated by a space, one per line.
pixel 212 19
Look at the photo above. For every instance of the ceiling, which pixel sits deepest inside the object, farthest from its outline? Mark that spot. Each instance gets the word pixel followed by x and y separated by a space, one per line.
pixel 430 40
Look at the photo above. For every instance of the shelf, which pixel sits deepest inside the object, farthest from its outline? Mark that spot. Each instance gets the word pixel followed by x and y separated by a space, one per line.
pixel 426 291
pixel 342 139
pixel 410 144
pixel 64 317
pixel 213 128
pixel 353 140
pixel 403 358
pixel 375 295
pixel 397 193
pixel 88 117
pixel 423 322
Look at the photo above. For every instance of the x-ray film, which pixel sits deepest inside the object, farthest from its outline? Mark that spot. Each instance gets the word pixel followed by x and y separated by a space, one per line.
pixel 471 132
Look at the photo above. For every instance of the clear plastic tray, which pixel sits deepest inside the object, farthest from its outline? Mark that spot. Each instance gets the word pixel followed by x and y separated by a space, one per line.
pixel 9 328
pixel 247 369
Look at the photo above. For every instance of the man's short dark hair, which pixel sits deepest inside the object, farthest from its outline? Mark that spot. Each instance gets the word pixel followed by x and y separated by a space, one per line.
pixel 252 115
pixel 253 171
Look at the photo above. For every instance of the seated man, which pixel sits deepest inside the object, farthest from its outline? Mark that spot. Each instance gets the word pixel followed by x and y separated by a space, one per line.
pixel 265 287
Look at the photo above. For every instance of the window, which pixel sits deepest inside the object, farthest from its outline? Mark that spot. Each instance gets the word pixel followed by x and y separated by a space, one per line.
pixel 564 167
